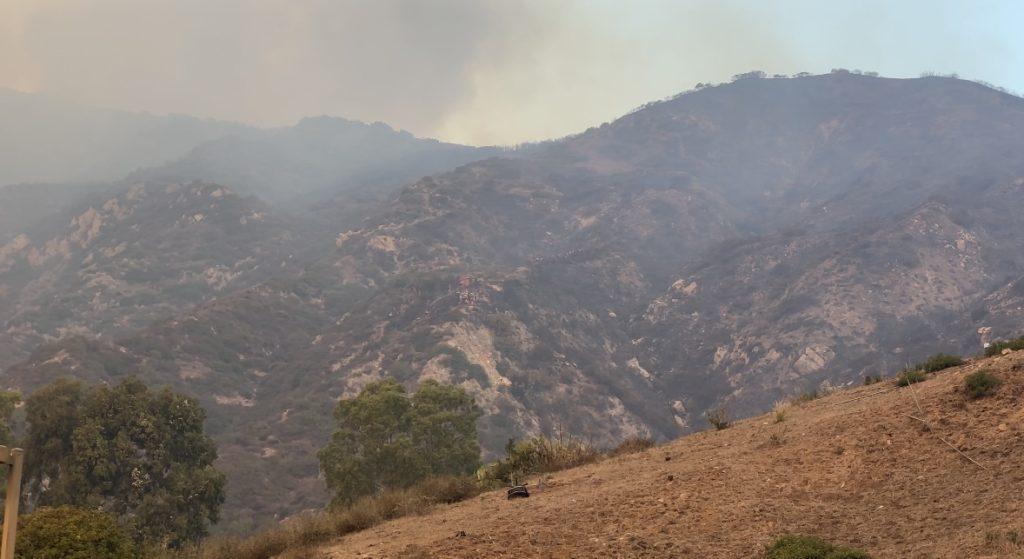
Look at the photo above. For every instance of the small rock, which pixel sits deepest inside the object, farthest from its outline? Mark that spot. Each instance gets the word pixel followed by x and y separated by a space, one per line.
pixel 1003 427
pixel 1007 351
pixel 671 477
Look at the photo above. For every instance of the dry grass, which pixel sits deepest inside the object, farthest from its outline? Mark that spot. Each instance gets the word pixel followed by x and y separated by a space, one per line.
pixel 780 410
pixel 301 534
pixel 547 454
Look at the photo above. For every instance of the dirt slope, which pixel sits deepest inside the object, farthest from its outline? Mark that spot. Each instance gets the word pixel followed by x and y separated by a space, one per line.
pixel 852 467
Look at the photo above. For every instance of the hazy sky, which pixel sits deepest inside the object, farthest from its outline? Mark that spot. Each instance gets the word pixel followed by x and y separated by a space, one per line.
pixel 475 71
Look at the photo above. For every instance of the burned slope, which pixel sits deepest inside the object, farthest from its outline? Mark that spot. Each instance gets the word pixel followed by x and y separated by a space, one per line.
pixel 728 246
pixel 122 259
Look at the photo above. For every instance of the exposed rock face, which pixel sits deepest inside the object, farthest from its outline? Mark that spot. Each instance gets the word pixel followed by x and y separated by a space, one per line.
pixel 727 247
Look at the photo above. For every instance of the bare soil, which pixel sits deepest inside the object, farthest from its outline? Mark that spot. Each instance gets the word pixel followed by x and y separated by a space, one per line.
pixel 853 468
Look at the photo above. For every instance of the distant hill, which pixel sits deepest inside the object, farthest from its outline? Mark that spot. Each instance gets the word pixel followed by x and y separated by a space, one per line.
pixel 727 247
pixel 24 207
pixel 47 140
pixel 317 159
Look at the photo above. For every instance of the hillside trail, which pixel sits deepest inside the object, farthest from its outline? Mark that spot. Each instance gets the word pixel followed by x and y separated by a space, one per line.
pixel 853 468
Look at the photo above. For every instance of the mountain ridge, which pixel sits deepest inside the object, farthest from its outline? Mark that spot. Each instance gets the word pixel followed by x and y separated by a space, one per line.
pixel 723 248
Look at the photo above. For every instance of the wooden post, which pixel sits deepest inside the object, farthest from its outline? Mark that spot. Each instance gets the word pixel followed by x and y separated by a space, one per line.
pixel 14 458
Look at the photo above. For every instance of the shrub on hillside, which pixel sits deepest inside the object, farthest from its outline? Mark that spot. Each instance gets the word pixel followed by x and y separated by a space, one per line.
pixel 781 409
pixel 719 418
pixel 939 362
pixel 806 396
pixel 998 347
pixel 632 445
pixel 911 376
pixel 872 379
pixel 793 546
pixel 981 384
pixel 535 456
pixel 72 533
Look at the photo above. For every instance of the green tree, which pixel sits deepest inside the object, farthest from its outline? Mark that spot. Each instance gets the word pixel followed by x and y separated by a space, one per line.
pixel 72 533
pixel 8 401
pixel 387 439
pixel 139 455
pixel 444 429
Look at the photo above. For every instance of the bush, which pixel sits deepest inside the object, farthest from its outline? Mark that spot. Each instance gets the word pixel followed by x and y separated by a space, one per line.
pixel 981 384
pixel 806 396
pixel 998 347
pixel 447 489
pixel 632 445
pixel 808 547
pixel 939 362
pixel 72 533
pixel 719 418
pixel 911 376
pixel 535 456
pixel 872 379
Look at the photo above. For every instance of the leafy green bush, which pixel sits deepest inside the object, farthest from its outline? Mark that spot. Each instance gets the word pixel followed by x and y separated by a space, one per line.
pixel 72 533
pixel 793 546
pixel 939 362
pixel 911 376
pixel 998 347
pixel 981 384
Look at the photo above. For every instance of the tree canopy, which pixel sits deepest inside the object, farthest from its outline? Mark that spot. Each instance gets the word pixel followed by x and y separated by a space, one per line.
pixel 137 454
pixel 386 438
pixel 8 401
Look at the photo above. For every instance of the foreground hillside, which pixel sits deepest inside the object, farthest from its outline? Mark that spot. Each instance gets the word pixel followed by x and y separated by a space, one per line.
pixel 854 468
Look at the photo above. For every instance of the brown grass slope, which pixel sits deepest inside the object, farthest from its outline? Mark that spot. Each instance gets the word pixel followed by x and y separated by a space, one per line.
pixel 853 468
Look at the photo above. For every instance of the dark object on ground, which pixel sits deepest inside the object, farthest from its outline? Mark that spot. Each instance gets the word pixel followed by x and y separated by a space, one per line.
pixel 518 492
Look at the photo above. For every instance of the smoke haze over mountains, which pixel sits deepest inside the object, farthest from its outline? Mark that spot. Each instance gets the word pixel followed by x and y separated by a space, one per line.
pixel 446 69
